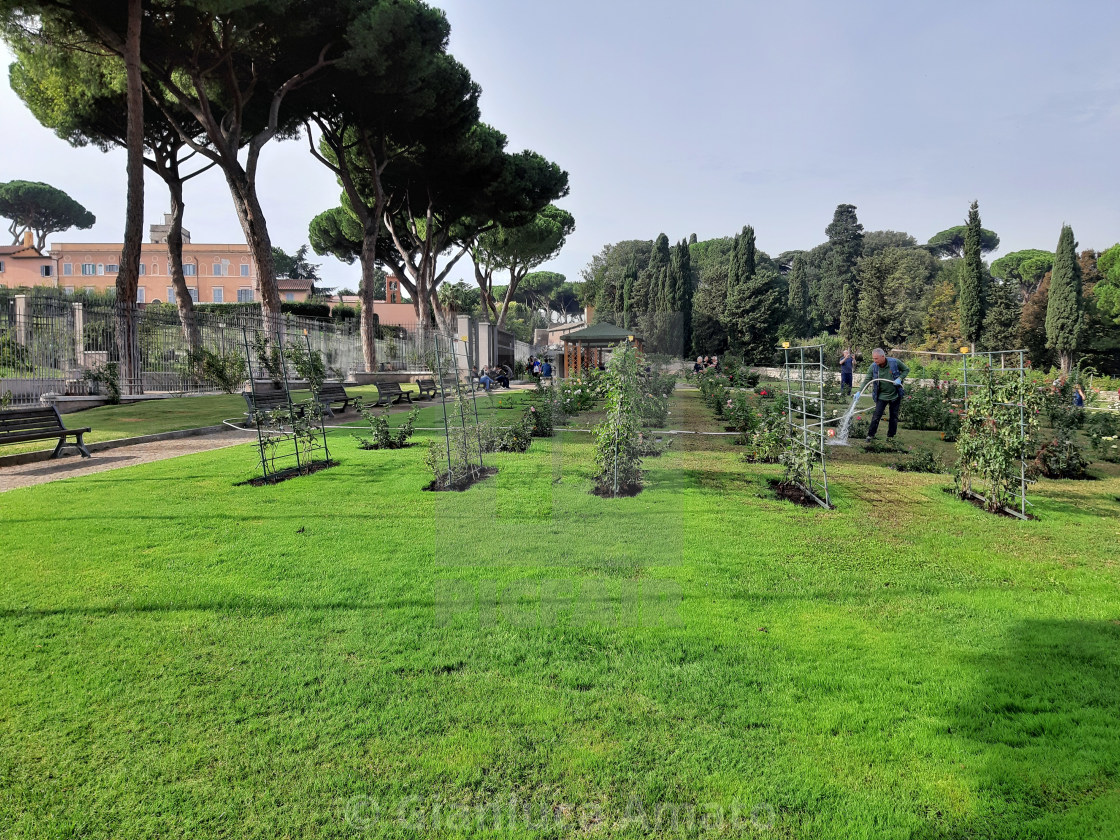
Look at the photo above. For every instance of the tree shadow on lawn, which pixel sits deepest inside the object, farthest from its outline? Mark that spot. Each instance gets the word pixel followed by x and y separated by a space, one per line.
pixel 1045 725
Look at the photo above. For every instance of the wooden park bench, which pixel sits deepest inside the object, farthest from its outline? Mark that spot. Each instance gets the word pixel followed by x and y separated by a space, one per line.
pixel 333 392
pixel 20 425
pixel 427 388
pixel 390 392
pixel 261 399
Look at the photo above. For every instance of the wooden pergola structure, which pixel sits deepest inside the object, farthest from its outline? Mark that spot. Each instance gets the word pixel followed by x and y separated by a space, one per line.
pixel 584 349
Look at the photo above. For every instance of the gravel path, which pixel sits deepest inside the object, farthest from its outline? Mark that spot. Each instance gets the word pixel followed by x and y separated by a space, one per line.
pixel 71 465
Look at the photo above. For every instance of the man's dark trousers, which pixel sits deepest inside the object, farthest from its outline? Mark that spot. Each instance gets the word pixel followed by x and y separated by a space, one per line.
pixel 892 422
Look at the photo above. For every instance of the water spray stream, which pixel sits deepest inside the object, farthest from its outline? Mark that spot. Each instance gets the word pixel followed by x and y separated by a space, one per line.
pixel 845 422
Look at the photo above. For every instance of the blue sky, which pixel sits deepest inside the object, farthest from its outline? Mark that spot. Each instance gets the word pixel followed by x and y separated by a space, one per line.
pixel 702 118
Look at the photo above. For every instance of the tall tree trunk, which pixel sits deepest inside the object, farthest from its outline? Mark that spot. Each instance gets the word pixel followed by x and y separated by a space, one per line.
pixel 183 298
pixel 253 223
pixel 128 343
pixel 368 293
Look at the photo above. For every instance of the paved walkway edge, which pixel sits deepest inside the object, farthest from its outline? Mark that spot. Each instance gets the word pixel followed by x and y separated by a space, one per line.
pixel 21 458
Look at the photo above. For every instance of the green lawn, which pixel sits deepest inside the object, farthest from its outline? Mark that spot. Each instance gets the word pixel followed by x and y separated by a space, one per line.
pixel 183 657
pixel 149 417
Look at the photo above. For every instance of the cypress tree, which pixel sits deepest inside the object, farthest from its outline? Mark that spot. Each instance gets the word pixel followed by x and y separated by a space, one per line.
pixel 733 266
pixel 799 298
pixel 1064 307
pixel 754 313
pixel 748 255
pixel 972 279
pixel 838 269
pixel 848 317
pixel 873 314
pixel 685 305
pixel 1003 313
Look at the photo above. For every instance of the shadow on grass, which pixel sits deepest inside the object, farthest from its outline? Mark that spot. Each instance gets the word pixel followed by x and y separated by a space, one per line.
pixel 1046 720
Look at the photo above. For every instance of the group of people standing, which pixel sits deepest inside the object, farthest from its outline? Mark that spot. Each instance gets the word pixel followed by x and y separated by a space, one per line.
pixel 539 368
pixel 704 363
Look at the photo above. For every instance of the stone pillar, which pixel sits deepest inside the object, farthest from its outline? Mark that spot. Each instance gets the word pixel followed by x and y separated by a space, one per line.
pixel 21 319
pixel 466 344
pixel 79 335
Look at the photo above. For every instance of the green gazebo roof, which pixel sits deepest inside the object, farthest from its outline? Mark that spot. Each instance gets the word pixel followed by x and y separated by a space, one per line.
pixel 601 333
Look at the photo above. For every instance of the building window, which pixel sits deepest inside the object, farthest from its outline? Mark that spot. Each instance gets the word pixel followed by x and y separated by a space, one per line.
pixel 100 269
pixel 190 270
pixel 67 269
pixel 45 271
pixel 194 293
pixel 1 265
pixel 89 269
pixel 69 290
pixel 170 294
pixel 141 293
pixel 143 269
pixel 113 268
pixel 217 269
pixel 88 289
pixel 219 294
pixel 244 295
pixel 290 296
pixel 244 269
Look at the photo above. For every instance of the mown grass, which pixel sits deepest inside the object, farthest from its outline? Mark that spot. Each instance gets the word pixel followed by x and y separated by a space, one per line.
pixel 149 417
pixel 183 657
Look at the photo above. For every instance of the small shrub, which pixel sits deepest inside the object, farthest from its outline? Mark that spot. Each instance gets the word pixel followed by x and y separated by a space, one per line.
pixel 921 461
pixel 381 436
pixel 1059 457
pixel 576 395
pixel 770 437
pixel 500 436
pixel 877 446
pixel 269 358
pixel 107 375
pixel 654 410
pixel 797 461
pixel 226 370
pixel 616 438
pixel 741 416
pixel 14 357
pixel 648 446
pixel 541 418
pixel 1103 430
pixel 308 364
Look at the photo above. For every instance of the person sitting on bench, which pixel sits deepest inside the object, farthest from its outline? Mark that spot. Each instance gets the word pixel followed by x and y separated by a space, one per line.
pixel 499 376
pixel 484 380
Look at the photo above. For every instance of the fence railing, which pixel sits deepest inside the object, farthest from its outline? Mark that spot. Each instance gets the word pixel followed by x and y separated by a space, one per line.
pixel 51 345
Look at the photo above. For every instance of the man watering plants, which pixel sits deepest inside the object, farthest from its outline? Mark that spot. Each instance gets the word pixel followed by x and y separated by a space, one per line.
pixel 886 374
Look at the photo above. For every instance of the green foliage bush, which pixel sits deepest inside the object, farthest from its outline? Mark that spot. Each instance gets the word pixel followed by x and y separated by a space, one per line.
pixel 770 436
pixel 14 357
pixel 542 416
pixel 616 438
pixel 107 375
pixel 1059 457
pixel 922 460
pixel 308 364
pixel 1103 430
pixel 498 435
pixel 381 436
pixel 991 444
pixel 226 370
pixel 579 393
